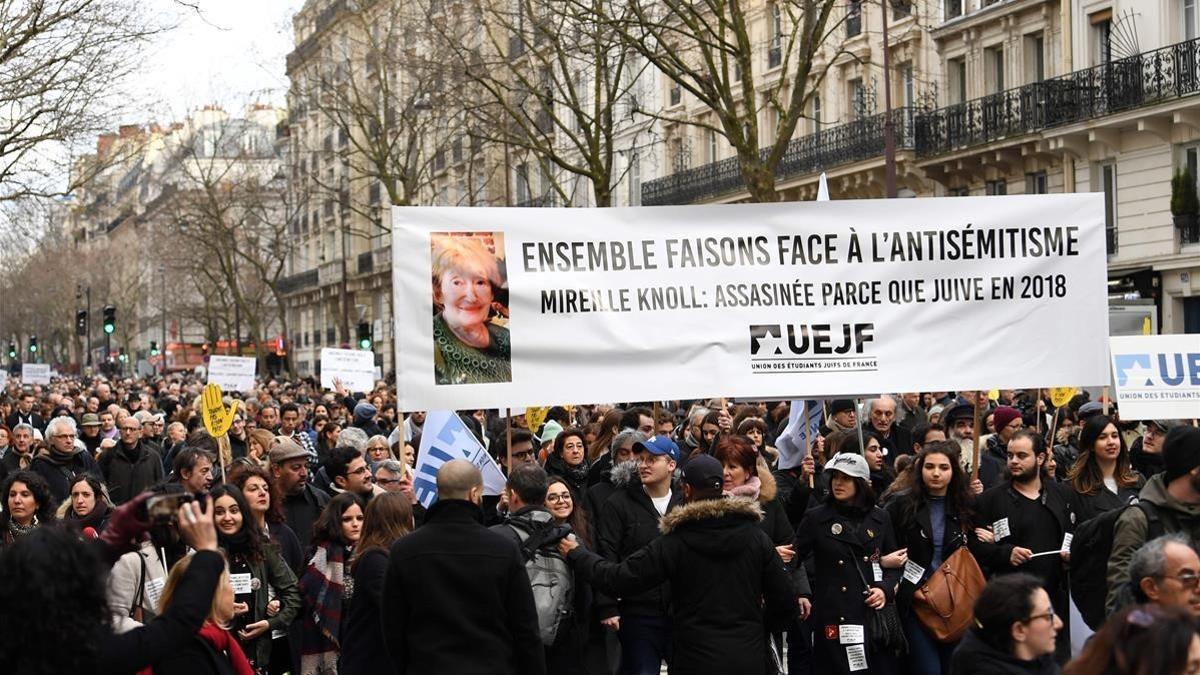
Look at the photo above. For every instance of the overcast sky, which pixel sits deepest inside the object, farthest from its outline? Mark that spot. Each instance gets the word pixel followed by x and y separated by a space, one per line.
pixel 232 54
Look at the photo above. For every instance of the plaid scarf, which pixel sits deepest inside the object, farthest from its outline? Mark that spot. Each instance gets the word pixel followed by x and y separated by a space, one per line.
pixel 322 587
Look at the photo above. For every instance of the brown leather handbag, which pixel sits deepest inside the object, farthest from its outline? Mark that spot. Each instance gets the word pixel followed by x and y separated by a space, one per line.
pixel 945 602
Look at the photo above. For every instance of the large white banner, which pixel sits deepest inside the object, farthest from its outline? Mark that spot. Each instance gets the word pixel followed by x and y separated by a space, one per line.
pixel 35 373
pixel 1157 376
pixel 445 437
pixel 354 367
pixel 509 307
pixel 233 373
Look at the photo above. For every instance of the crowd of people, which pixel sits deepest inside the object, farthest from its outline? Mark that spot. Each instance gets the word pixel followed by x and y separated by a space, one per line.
pixel 626 538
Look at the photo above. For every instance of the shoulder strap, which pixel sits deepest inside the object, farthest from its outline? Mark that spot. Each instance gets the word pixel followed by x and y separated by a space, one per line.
pixel 854 564
pixel 1154 525
pixel 140 596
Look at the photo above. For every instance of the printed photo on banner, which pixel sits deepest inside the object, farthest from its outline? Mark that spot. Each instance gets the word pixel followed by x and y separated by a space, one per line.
pixel 470 308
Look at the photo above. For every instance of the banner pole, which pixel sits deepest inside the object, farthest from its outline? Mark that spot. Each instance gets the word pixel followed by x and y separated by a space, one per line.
pixel 1105 395
pixel 1037 407
pixel 508 436
pixel 978 433
pixel 1054 427
pixel 858 425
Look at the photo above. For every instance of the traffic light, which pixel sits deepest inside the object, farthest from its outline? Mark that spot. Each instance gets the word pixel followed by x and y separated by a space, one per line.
pixel 12 350
pixel 364 335
pixel 121 355
pixel 81 322
pixel 153 348
pixel 110 319
pixel 33 344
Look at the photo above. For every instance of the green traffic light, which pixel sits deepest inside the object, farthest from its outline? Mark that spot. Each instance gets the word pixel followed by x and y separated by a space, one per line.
pixel 364 344
pixel 109 328
pixel 33 349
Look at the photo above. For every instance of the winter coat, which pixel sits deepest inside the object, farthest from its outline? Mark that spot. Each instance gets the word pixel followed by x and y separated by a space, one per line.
pixel 196 657
pixel 577 480
pixel 364 649
pixel 128 583
pixel 272 572
pixel 1087 507
pixel 456 599
pixel 302 510
pixel 128 471
pixel 605 607
pixel 1132 529
pixel 1143 462
pixel 839 539
pixel 629 521
pixel 728 586
pixel 915 532
pixel 776 526
pixel 975 657
pixel 60 471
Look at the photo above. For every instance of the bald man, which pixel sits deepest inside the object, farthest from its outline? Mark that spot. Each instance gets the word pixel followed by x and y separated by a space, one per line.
pixel 456 597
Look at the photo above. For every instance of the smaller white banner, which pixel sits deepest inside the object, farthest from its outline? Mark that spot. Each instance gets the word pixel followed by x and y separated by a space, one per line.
pixel 35 373
pixel 354 367
pixel 232 373
pixel 444 438
pixel 1156 376
pixel 3 379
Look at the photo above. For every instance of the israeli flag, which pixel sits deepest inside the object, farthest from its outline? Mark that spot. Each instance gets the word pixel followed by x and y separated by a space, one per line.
pixel 444 438
pixel 804 423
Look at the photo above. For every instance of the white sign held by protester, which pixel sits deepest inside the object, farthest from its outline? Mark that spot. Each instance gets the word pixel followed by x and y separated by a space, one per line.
pixel 35 373
pixel 354 367
pixel 1157 376
pixel 803 427
pixel 445 437
pixel 784 300
pixel 232 373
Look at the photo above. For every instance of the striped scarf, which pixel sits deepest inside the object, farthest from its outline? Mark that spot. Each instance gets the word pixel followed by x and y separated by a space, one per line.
pixel 322 587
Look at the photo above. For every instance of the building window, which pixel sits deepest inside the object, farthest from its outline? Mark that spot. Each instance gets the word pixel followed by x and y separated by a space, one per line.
pixel 675 94
pixel 995 63
pixel 1101 36
pixel 854 18
pixel 816 114
pixel 901 9
pixel 960 192
pixel 1104 179
pixel 775 48
pixel 712 146
pixel 1035 183
pixel 1189 19
pixel 909 85
pixel 996 187
pixel 522 183
pixel 1035 57
pixel 954 8
pixel 635 179
pixel 956 70
pixel 857 98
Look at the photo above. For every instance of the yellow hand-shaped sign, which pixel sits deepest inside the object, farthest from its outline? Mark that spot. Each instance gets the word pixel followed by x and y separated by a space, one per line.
pixel 1061 396
pixel 217 418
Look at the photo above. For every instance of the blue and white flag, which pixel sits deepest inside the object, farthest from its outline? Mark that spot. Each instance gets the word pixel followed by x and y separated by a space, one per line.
pixel 444 438
pixel 804 423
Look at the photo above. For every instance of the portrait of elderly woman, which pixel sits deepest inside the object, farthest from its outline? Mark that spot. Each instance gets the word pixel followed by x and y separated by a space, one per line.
pixel 469 345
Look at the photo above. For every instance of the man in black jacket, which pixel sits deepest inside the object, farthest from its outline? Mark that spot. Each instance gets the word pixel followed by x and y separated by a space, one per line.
pixel 65 460
pixel 25 414
pixel 457 598
pixel 629 521
pixel 130 467
pixel 302 503
pixel 729 587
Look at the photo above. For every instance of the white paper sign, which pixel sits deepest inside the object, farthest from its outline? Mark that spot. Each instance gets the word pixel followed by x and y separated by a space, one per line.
pixel 877 572
pixel 913 573
pixel 154 589
pixel 444 437
pixel 233 373
pixel 856 655
pixel 1000 529
pixel 3 379
pixel 354 367
pixel 1066 545
pixel 784 300
pixel 1157 376
pixel 241 583
pixel 35 373
pixel 850 634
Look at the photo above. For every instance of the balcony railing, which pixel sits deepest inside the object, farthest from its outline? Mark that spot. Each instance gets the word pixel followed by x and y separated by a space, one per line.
pixel 858 140
pixel 1149 78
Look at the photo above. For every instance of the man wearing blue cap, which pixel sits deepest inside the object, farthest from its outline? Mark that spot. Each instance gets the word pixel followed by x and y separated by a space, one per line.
pixel 727 585
pixel 627 522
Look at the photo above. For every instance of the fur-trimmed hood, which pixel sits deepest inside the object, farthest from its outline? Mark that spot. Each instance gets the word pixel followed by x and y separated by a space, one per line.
pixel 711 509
pixel 624 474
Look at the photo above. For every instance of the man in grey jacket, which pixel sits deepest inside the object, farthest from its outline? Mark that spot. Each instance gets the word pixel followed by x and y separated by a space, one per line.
pixel 1175 496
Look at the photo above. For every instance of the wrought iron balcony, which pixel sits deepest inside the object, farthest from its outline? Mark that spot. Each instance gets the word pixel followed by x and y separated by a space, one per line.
pixel 852 142
pixel 298 282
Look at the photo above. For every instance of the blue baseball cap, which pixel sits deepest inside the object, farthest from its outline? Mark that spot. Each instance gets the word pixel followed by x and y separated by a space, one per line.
pixel 658 445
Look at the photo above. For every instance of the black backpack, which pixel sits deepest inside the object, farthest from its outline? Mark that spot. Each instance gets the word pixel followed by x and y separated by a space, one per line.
pixel 1091 548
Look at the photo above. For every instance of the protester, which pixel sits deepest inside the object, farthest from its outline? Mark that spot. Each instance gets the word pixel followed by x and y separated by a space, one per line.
pixel 1174 498
pixel 1102 478
pixel 569 458
pixel 87 507
pixel 456 596
pixel 323 584
pixel 1143 640
pixel 266 512
pixel 64 461
pixel 378 450
pixel 1145 455
pixel 348 472
pixel 1165 571
pixel 193 469
pixel 28 505
pixel 302 502
pixel 129 468
pixel 263 576
pixel 258 445
pixel 1015 631
pixel 845 535
pixel 216 651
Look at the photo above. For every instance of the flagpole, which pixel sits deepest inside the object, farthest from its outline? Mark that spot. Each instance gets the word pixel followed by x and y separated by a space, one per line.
pixel 977 433
pixel 508 436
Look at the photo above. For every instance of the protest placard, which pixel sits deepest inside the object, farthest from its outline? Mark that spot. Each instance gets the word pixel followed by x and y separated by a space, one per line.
pixel 232 373
pixel 1157 376
pixel 445 437
pixel 749 300
pixel 35 373
pixel 354 367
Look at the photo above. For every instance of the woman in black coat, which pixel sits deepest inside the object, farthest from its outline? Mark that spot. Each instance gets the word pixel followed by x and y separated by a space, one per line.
pixel 389 517
pixel 569 459
pixel 931 520
pixel 213 650
pixel 1102 478
pixel 847 537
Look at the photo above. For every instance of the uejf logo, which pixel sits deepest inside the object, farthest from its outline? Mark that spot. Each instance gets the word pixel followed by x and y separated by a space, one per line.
pixel 1167 370
pixel 793 348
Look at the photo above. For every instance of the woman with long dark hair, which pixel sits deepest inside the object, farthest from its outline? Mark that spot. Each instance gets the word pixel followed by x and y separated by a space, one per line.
pixel 847 536
pixel 1102 478
pixel 266 512
pixel 872 450
pixel 931 520
pixel 569 459
pixel 569 652
pixel 323 584
pixel 28 505
pixel 389 517
pixel 87 505
pixel 259 575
